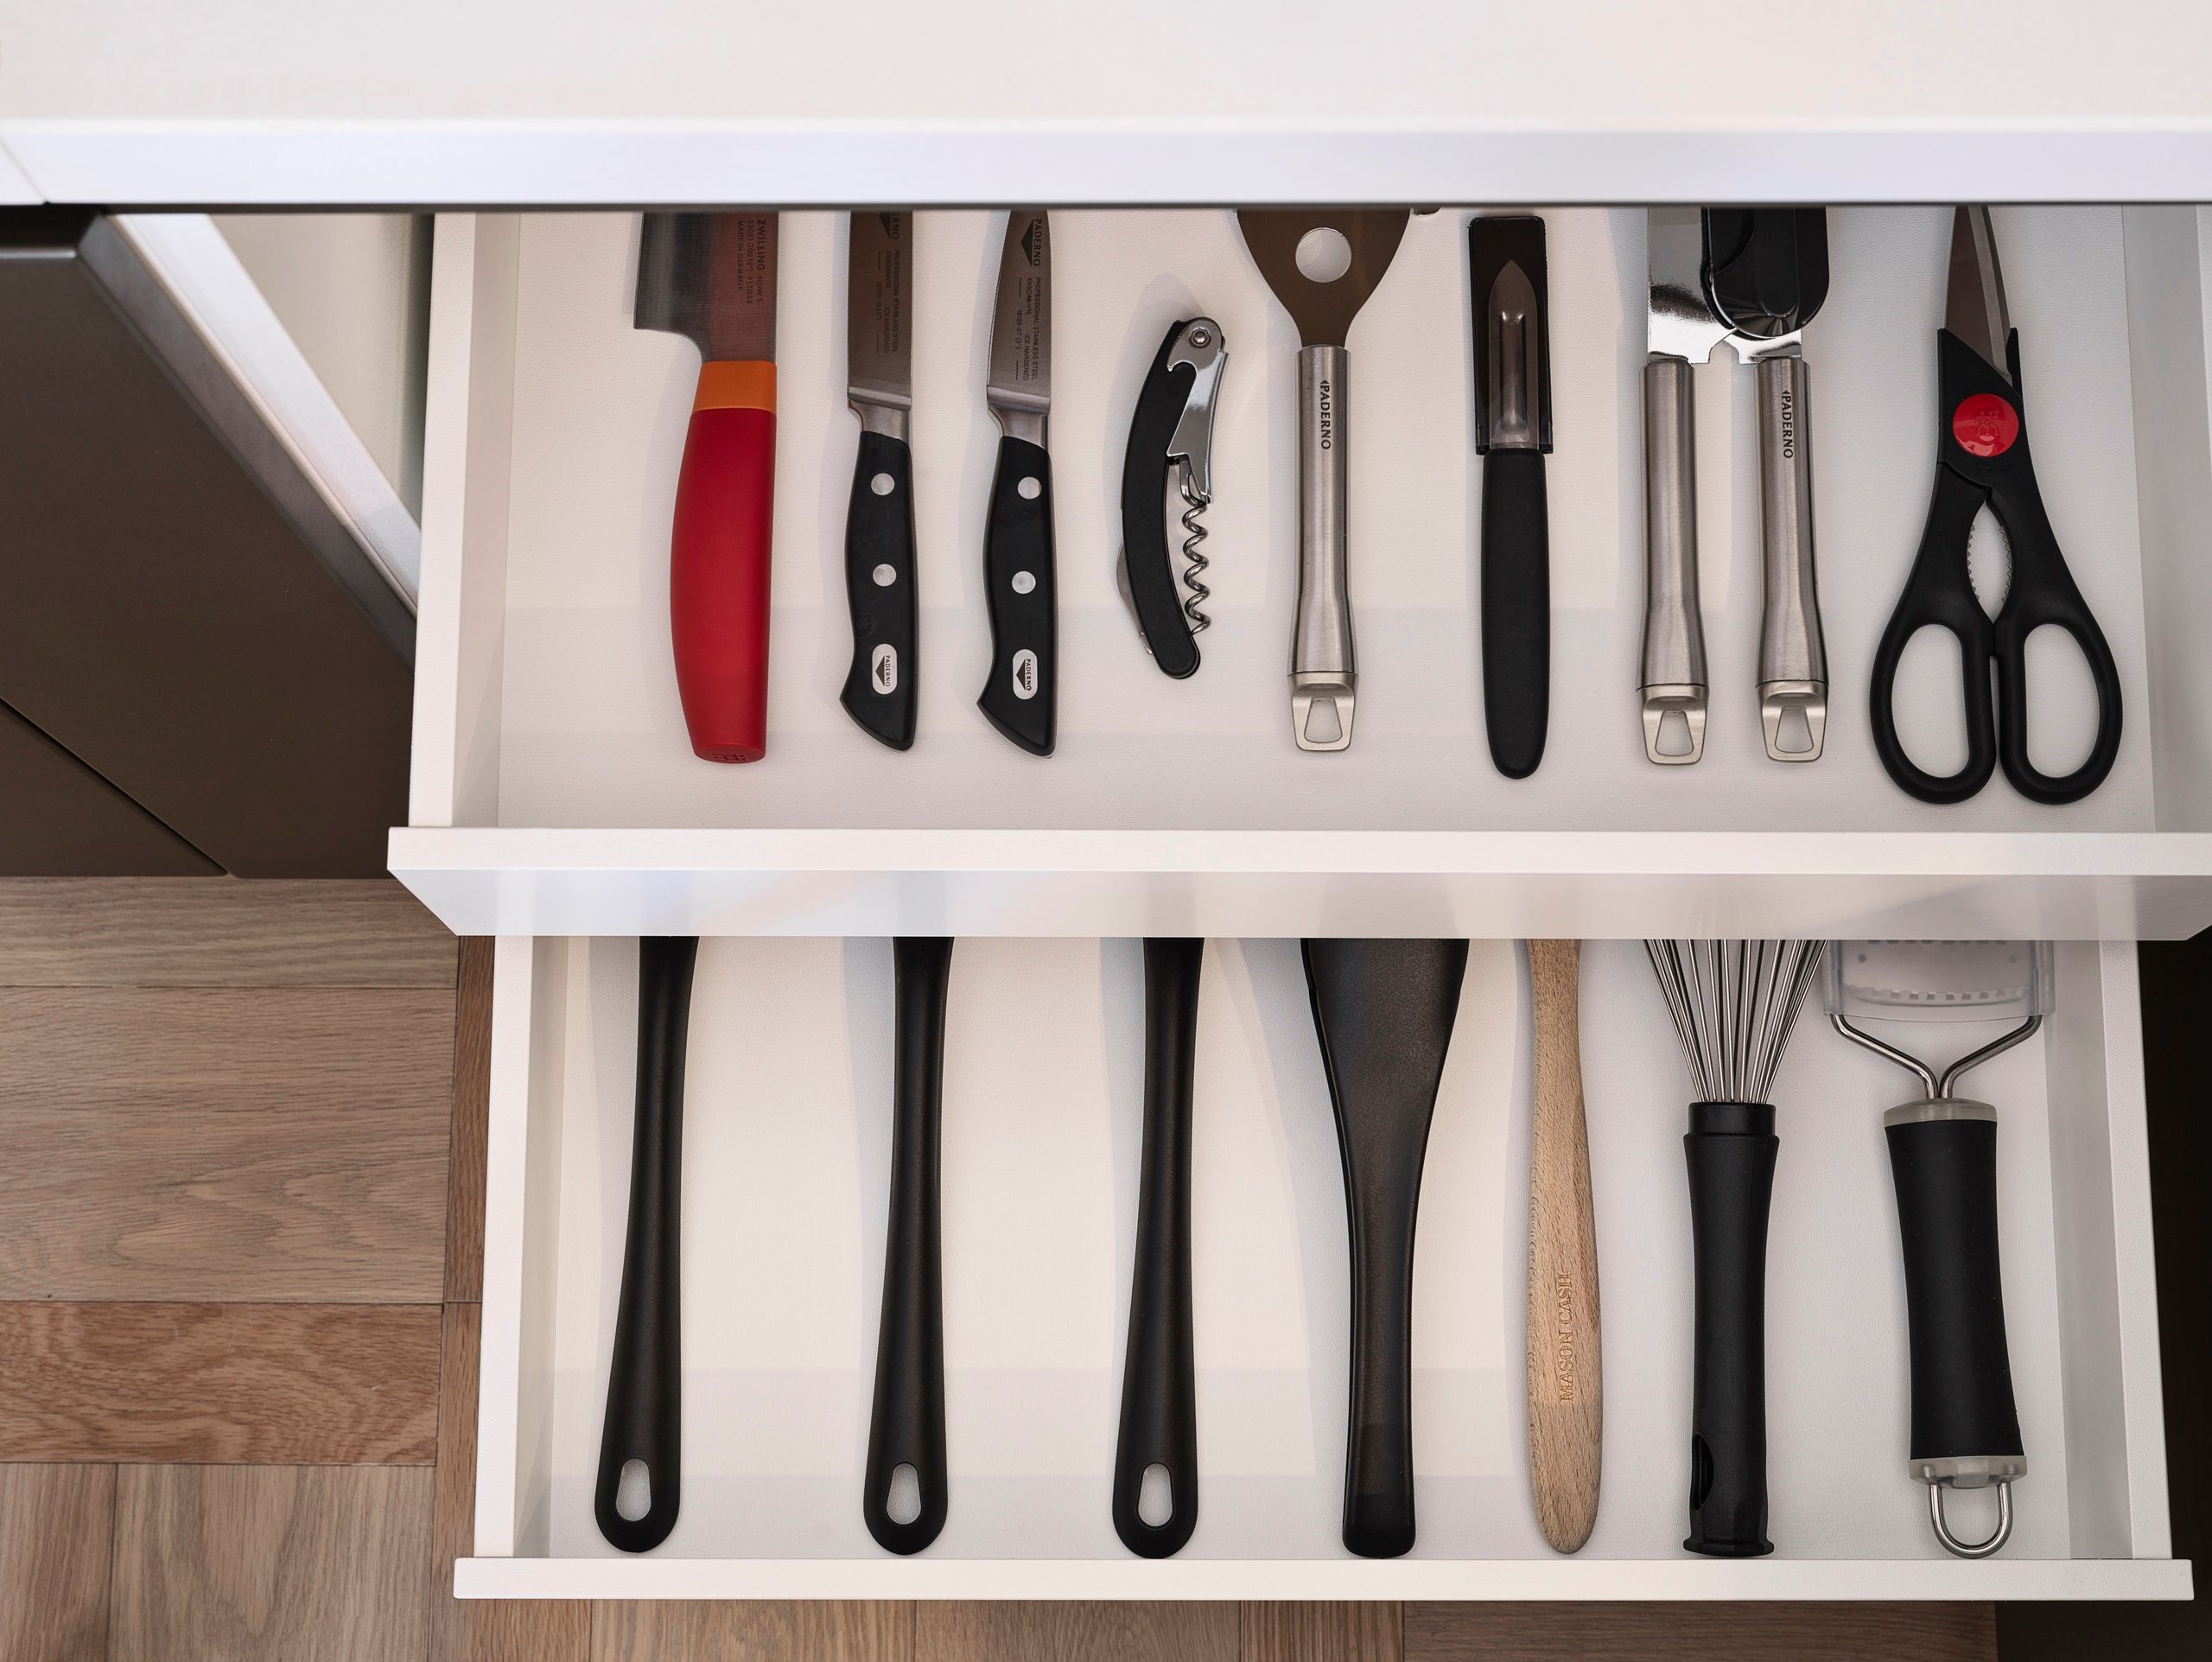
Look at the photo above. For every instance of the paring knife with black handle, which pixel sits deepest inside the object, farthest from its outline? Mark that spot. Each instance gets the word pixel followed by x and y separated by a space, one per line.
pixel 906 1426
pixel 645 1395
pixel 1160 1416
pixel 1021 696
pixel 881 687
pixel 1513 431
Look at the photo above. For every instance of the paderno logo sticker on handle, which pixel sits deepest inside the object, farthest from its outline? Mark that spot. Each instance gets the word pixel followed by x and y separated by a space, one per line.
pixel 883 668
pixel 1025 674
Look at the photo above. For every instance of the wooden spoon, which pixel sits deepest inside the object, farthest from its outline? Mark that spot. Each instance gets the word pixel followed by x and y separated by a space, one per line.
pixel 1565 1401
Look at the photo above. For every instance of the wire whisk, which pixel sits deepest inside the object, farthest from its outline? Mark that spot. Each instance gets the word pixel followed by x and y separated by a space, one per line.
pixel 1734 1003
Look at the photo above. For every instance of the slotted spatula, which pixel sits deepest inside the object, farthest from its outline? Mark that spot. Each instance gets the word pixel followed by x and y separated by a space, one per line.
pixel 1346 252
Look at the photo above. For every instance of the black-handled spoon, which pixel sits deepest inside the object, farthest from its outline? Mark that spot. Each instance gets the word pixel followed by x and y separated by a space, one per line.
pixel 906 1426
pixel 1160 1416
pixel 644 1393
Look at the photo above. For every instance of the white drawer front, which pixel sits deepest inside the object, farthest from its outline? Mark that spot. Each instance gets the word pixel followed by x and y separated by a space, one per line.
pixel 787 1160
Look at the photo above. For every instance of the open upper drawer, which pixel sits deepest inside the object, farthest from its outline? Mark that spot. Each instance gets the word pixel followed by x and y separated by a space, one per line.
pixel 785 1160
pixel 554 791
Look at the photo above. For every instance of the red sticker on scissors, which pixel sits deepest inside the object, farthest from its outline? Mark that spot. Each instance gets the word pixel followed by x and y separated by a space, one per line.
pixel 1985 425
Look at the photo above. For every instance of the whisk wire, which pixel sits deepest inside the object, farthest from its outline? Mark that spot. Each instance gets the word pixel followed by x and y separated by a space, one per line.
pixel 1734 1003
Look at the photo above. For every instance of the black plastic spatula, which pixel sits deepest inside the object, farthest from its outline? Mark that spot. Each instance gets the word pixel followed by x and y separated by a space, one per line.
pixel 1383 1010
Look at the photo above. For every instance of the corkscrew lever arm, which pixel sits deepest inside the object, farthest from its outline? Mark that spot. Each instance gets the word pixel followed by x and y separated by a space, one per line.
pixel 1171 442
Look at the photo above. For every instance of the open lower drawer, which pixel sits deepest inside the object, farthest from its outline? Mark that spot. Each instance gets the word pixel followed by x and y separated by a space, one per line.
pixel 786 1163
pixel 555 792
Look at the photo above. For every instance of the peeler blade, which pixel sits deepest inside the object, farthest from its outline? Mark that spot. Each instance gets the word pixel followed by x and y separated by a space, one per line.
pixel 1940 980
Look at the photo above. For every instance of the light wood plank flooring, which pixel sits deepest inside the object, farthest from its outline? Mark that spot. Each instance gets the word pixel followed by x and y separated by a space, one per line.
pixel 240 1257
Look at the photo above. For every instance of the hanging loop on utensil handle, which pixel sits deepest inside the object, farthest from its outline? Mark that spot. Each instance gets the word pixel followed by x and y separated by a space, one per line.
pixel 1674 675
pixel 1731 1149
pixel 1966 1427
pixel 906 1424
pixel 1322 666
pixel 645 1383
pixel 1793 657
pixel 1159 1420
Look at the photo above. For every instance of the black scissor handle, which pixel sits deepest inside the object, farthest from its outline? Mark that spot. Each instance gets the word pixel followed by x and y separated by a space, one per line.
pixel 1940 594
pixel 2043 593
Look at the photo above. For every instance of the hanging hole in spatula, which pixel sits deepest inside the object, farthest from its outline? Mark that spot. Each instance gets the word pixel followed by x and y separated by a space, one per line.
pixel 903 1503
pixel 1323 254
pixel 1673 734
pixel 633 1497
pixel 1156 1496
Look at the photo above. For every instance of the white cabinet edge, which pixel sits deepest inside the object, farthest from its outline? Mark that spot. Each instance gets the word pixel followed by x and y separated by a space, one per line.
pixel 652 1577
pixel 16 187
pixel 211 287
pixel 1070 164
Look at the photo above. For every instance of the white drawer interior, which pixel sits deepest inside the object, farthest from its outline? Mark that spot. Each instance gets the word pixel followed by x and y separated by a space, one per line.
pixel 787 1159
pixel 548 707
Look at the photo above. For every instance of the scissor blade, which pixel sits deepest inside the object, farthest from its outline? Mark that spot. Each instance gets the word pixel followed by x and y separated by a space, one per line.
pixel 1974 308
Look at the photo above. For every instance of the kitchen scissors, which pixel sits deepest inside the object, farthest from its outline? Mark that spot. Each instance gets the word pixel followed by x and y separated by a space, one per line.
pixel 1982 459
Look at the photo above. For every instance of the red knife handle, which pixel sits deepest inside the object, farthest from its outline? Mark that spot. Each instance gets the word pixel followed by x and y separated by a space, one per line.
pixel 718 561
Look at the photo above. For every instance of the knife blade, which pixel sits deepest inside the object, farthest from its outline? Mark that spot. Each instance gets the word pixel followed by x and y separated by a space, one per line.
pixel 1505 257
pixel 1020 697
pixel 880 577
pixel 711 277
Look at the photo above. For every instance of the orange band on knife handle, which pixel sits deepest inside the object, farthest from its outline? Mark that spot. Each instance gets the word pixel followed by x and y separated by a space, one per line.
pixel 736 384
pixel 718 561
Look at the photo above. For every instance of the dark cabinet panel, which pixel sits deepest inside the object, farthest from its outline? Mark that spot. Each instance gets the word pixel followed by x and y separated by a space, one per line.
pixel 179 608
pixel 62 819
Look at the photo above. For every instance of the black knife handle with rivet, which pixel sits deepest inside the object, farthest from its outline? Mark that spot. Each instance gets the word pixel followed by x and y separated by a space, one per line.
pixel 880 686
pixel 1018 698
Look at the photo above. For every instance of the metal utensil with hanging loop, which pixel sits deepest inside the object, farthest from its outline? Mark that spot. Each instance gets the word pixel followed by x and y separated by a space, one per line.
pixel 1291 247
pixel 1966 1429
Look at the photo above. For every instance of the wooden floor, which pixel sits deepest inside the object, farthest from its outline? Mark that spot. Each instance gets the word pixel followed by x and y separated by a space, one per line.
pixel 241 1173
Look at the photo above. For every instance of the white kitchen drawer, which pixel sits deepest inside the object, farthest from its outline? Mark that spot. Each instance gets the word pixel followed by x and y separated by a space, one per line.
pixel 787 1160
pixel 555 793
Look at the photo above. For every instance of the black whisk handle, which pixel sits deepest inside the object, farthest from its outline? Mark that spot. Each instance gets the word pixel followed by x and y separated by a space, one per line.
pixel 1731 1149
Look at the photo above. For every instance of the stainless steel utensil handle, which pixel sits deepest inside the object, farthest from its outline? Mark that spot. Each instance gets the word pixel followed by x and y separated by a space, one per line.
pixel 1793 660
pixel 1674 632
pixel 1322 673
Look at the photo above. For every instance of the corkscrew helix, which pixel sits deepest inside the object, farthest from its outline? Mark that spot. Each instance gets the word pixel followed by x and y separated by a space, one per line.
pixel 1172 432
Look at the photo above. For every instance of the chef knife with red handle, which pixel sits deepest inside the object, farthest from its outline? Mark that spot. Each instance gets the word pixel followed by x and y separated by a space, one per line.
pixel 711 277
